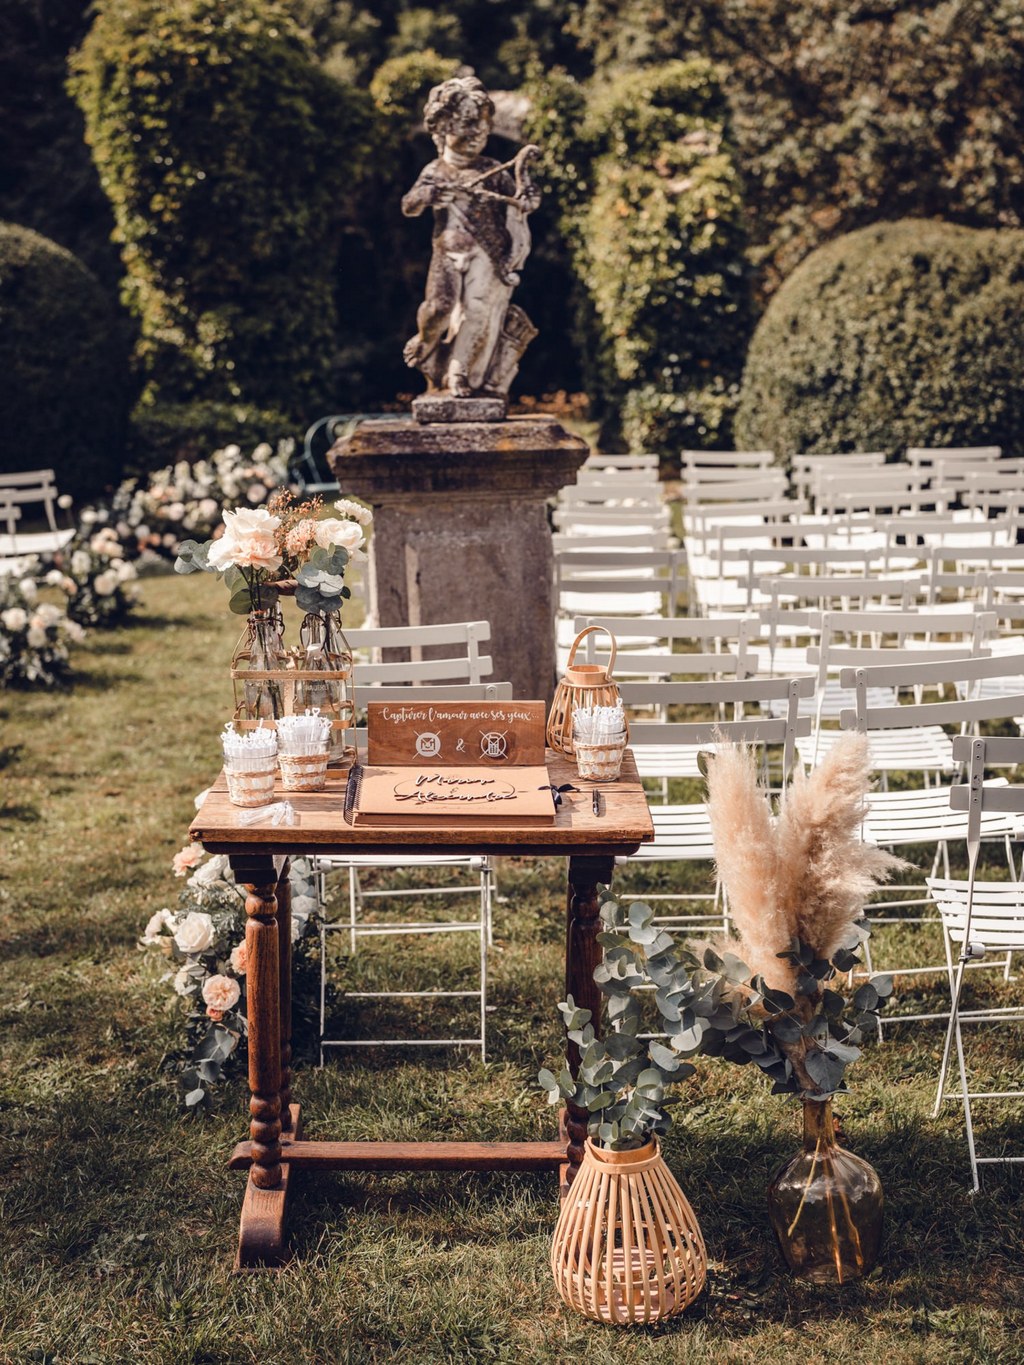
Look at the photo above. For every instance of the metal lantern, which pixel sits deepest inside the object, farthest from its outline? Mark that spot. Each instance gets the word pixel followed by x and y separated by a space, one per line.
pixel 583 685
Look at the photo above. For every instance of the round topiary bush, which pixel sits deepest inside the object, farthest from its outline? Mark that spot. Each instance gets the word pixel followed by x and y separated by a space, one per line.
pixel 900 334
pixel 64 377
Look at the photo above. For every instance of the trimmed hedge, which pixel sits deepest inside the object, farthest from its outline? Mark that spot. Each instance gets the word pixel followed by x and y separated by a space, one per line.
pixel 228 157
pixel 64 376
pixel 652 209
pixel 900 334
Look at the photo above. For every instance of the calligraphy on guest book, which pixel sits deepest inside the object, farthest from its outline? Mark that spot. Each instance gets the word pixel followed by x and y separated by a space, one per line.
pixel 466 764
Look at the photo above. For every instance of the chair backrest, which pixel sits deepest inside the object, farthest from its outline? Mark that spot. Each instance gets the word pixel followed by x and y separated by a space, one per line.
pixel 710 645
pixel 929 456
pixel 27 488
pixel 728 459
pixel 969 672
pixel 808 470
pixel 975 753
pixel 783 560
pixel 585 518
pixel 598 461
pixel 782 730
pixel 640 575
pixel 823 592
pixel 866 639
pixel 611 493
pixel 448 652
pixel 613 538
pixel 754 487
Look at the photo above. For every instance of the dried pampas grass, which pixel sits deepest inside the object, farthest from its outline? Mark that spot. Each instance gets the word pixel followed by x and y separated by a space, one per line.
pixel 803 874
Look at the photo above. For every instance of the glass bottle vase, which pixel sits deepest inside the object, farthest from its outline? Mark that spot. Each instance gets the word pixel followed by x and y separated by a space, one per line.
pixel 825 1205
pixel 326 651
pixel 260 650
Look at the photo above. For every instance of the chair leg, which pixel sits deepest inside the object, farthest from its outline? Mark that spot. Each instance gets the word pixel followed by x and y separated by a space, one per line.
pixel 353 907
pixel 968 1123
pixel 485 929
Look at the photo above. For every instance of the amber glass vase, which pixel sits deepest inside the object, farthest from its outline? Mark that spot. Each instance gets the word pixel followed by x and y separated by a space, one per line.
pixel 825 1205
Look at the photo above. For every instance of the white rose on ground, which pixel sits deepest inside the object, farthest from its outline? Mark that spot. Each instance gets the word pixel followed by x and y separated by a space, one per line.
pixel 195 932
pixel 80 562
pixel 14 618
pixel 105 583
pixel 221 992
pixel 155 926
pixel 332 531
pixel 36 636
pixel 28 589
pixel 47 614
pixel 183 983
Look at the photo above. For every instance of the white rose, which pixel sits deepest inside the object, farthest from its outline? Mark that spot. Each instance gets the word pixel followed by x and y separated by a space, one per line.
pixel 47 614
pixel 347 534
pixel 14 618
pixel 105 583
pixel 195 932
pixel 183 983
pixel 80 562
pixel 156 925
pixel 28 589
pixel 55 579
pixel 355 511
pixel 221 992
pixel 36 637
pixel 214 871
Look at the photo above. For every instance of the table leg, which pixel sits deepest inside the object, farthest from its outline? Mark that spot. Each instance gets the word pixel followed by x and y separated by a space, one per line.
pixel 284 958
pixel 261 1239
pixel 582 954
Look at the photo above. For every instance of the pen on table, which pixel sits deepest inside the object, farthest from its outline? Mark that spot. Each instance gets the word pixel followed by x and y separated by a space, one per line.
pixel 596 802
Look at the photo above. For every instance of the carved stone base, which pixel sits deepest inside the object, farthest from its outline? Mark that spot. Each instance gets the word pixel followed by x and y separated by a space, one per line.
pixel 444 408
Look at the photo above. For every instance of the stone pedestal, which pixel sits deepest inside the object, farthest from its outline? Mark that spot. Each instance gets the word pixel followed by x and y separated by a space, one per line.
pixel 461 529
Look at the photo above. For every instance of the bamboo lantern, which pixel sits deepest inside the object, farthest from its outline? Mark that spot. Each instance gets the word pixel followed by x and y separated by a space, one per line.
pixel 583 685
pixel 627 1247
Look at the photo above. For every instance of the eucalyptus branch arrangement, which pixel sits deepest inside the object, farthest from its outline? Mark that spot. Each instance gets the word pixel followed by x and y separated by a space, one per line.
pixel 624 1076
pixel 797 880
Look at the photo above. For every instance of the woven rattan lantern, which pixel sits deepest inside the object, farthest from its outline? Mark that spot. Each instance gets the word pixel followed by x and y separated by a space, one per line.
pixel 583 685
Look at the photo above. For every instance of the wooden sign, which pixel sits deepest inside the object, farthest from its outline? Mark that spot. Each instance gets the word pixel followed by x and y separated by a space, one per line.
pixel 486 734
pixel 402 794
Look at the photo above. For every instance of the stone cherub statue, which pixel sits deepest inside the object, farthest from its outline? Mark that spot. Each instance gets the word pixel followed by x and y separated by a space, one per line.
pixel 470 336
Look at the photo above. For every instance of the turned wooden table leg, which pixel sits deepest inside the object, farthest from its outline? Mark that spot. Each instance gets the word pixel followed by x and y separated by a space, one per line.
pixel 284 957
pixel 261 1240
pixel 582 954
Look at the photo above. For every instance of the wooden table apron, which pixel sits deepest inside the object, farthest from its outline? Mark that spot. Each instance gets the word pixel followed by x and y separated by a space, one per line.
pixel 259 859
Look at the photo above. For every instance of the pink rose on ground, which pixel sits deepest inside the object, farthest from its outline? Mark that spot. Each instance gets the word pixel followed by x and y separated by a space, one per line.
pixel 248 540
pixel 239 959
pixel 221 992
pixel 187 858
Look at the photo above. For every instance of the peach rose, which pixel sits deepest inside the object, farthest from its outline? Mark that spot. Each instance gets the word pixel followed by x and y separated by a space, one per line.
pixel 187 858
pixel 239 958
pixel 221 992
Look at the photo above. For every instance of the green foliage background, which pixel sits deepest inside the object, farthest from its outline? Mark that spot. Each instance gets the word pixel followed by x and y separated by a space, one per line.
pixel 902 334
pixel 287 279
pixel 64 391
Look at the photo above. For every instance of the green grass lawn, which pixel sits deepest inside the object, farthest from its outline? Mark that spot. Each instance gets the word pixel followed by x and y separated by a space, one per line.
pixel 120 1218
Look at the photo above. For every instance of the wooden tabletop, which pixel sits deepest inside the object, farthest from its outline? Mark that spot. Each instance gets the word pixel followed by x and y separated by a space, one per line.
pixel 622 826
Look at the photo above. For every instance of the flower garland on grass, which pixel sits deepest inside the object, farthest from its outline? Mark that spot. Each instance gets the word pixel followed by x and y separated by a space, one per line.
pixel 205 939
pixel 97 578
pixel 34 636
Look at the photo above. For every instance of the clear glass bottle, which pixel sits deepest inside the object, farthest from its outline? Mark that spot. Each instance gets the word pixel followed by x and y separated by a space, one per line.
pixel 826 1205
pixel 261 650
pixel 325 650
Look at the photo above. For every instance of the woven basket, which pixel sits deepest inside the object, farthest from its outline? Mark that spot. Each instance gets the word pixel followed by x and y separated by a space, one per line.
pixel 600 762
pixel 303 772
pixel 252 788
pixel 583 685
pixel 627 1247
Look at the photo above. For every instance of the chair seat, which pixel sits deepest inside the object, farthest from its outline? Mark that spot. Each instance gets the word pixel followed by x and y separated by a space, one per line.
pixel 924 816
pixel 921 748
pixel 997 912
pixel 835 699
pixel 35 542
pixel 680 833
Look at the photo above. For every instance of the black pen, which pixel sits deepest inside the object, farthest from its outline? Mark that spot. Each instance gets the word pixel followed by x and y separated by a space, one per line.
pixel 596 802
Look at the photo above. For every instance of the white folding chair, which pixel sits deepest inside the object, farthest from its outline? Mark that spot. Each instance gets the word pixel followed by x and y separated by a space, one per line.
pixel 30 488
pixel 979 917
pixel 682 832
pixel 416 679
pixel 922 815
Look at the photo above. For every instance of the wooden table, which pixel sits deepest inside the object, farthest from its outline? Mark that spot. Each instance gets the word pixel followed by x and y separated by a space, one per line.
pixel 259 859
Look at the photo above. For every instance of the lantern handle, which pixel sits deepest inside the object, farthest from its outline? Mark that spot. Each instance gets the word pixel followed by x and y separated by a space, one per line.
pixel 587 631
